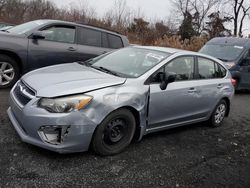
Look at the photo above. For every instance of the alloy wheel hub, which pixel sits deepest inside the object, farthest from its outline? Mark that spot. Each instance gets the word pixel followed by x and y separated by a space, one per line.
pixel 220 113
pixel 7 73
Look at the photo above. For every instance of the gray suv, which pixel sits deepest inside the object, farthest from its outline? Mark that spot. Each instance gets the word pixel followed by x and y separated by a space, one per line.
pixel 106 102
pixel 42 43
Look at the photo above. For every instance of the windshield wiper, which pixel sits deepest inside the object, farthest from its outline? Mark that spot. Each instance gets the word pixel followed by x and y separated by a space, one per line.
pixel 222 59
pixel 86 63
pixel 106 70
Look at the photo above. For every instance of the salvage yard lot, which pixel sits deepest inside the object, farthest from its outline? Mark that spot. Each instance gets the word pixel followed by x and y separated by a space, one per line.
pixel 193 156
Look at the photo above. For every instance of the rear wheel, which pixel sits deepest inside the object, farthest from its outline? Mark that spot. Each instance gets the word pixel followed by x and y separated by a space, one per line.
pixel 115 133
pixel 218 114
pixel 9 71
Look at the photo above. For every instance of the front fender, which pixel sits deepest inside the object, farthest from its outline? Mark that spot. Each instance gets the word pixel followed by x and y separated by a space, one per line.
pixel 107 100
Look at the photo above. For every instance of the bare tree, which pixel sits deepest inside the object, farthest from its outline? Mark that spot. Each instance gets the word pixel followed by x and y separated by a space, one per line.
pixel 120 14
pixel 245 13
pixel 240 11
pixel 199 9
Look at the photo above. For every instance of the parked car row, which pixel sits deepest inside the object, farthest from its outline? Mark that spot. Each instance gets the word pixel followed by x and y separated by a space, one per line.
pixel 106 97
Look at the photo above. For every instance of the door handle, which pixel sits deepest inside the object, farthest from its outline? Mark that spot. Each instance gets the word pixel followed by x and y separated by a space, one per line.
pixel 192 90
pixel 104 52
pixel 219 86
pixel 72 49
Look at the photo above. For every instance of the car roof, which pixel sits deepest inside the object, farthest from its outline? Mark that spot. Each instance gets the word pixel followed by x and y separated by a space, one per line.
pixel 162 49
pixel 179 52
pixel 235 41
pixel 80 24
pixel 170 50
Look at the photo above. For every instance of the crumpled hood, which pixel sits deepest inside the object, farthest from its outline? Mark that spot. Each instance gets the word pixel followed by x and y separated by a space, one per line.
pixel 67 79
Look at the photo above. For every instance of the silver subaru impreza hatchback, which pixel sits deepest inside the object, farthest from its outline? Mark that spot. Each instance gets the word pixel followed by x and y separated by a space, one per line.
pixel 106 102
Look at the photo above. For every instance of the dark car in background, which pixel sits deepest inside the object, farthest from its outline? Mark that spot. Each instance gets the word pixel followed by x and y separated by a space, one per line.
pixel 235 53
pixel 43 43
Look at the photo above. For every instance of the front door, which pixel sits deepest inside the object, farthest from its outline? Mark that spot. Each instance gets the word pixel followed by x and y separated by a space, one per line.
pixel 57 47
pixel 180 101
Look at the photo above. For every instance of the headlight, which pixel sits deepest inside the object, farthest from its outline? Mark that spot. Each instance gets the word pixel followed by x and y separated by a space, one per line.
pixel 65 104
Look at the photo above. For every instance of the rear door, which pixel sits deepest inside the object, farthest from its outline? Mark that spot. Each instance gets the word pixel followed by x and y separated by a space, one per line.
pixel 90 43
pixel 58 47
pixel 212 85
pixel 180 102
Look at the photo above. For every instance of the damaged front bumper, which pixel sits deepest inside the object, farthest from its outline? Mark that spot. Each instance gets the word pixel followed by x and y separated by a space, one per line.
pixel 63 133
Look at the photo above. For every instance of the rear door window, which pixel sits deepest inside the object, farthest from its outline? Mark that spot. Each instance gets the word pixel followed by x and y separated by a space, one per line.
pixel 89 37
pixel 208 69
pixel 105 42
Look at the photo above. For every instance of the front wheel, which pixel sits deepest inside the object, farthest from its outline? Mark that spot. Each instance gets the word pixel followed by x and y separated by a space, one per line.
pixel 115 133
pixel 218 114
pixel 9 71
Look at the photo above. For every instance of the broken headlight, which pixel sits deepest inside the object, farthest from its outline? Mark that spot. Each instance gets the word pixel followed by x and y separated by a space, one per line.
pixel 65 104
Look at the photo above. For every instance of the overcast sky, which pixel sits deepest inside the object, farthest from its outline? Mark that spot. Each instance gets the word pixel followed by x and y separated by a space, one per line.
pixel 151 8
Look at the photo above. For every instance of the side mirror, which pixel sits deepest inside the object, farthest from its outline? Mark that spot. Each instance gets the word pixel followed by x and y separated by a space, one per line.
pixel 167 79
pixel 38 35
pixel 171 77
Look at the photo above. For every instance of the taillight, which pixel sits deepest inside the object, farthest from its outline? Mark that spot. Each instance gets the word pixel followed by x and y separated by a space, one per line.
pixel 234 82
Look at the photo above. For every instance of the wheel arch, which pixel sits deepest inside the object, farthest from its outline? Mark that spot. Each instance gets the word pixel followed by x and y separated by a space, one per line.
pixel 228 105
pixel 14 56
pixel 136 113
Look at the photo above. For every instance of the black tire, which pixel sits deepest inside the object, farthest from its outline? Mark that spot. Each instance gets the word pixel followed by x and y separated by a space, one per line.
pixel 11 64
pixel 216 120
pixel 115 133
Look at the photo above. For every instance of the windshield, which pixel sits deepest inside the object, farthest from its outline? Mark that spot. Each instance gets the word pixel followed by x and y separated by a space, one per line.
pixel 129 62
pixel 223 52
pixel 23 28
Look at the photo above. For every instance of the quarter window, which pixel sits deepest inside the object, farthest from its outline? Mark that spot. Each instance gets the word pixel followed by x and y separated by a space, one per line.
pixel 183 67
pixel 90 37
pixel 115 42
pixel 60 34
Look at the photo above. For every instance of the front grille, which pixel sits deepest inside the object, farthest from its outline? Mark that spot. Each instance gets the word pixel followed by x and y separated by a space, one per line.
pixel 23 94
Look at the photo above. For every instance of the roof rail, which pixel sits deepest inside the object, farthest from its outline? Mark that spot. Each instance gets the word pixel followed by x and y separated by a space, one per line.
pixel 92 25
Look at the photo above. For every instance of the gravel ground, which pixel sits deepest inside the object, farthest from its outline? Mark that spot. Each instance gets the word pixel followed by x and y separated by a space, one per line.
pixel 193 156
